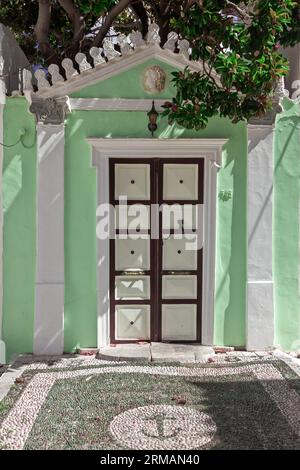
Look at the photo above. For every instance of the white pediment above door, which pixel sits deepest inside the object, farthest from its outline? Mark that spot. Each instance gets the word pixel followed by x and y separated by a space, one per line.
pixel 105 70
pixel 101 64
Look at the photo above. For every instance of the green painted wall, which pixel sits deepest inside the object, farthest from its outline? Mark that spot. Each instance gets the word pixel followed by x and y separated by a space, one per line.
pixel 80 220
pixel 19 193
pixel 286 227
pixel 19 200
pixel 80 208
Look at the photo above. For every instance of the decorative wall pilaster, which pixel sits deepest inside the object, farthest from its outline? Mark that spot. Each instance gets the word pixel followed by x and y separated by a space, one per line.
pixel 260 286
pixel 260 304
pixel 50 283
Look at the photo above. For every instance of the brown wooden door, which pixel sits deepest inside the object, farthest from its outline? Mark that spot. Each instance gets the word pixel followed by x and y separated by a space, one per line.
pixel 156 253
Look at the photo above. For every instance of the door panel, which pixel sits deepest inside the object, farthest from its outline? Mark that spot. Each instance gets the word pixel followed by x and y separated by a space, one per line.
pixel 132 287
pixel 179 287
pixel 133 322
pixel 132 254
pixel 132 181
pixel 177 256
pixel 132 217
pixel 180 181
pixel 176 216
pixel 179 322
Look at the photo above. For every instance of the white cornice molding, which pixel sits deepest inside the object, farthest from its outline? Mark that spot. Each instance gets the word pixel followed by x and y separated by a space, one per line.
pixel 209 148
pixel 115 67
pixel 115 104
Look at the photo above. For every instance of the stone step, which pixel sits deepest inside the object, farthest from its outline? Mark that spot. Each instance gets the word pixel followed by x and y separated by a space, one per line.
pixel 157 352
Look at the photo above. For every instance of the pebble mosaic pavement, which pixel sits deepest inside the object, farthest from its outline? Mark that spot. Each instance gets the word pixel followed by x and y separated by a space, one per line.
pixel 183 427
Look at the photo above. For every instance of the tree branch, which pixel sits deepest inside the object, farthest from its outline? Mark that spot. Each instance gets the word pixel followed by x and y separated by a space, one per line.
pixel 189 3
pixel 164 20
pixel 232 7
pixel 76 18
pixel 142 15
pixel 109 19
pixel 154 7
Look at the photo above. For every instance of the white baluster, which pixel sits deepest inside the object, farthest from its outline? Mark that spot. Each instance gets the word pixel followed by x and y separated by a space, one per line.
pixel 296 87
pixel 41 79
pixel 136 39
pixel 27 79
pixel 53 69
pixel 280 90
pixel 171 42
pixel 2 81
pixel 95 53
pixel 109 50
pixel 80 58
pixel 184 47
pixel 153 34
pixel 124 45
pixel 69 68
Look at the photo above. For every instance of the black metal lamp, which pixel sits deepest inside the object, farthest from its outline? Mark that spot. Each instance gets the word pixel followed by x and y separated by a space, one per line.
pixel 152 114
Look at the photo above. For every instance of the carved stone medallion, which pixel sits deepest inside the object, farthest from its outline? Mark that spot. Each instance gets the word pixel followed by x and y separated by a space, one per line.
pixel 154 79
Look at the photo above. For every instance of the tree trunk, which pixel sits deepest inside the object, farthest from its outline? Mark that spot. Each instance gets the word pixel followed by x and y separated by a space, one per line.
pixel 42 32
pixel 141 13
pixel 164 21
pixel 164 29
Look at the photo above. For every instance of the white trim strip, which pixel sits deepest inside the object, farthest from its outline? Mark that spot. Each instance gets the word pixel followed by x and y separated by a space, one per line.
pixel 117 104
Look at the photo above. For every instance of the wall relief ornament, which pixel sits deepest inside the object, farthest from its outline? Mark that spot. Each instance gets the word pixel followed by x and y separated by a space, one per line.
pixel 50 110
pixel 154 79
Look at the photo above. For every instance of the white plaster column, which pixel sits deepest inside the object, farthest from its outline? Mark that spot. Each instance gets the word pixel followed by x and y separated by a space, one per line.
pixel 50 285
pixel 2 104
pixel 260 304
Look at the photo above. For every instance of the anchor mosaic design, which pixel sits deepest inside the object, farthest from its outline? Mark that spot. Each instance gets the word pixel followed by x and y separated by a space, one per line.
pixel 163 427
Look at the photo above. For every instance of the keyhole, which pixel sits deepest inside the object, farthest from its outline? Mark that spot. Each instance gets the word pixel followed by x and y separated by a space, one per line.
pixel 181 181
pixel 132 252
pixel 179 252
pixel 132 181
pixel 132 323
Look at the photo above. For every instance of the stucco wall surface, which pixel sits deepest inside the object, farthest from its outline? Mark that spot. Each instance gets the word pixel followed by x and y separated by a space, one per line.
pixel 286 227
pixel 19 175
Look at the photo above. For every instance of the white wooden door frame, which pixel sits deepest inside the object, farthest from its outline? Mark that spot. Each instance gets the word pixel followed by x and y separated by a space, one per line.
pixel 211 150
